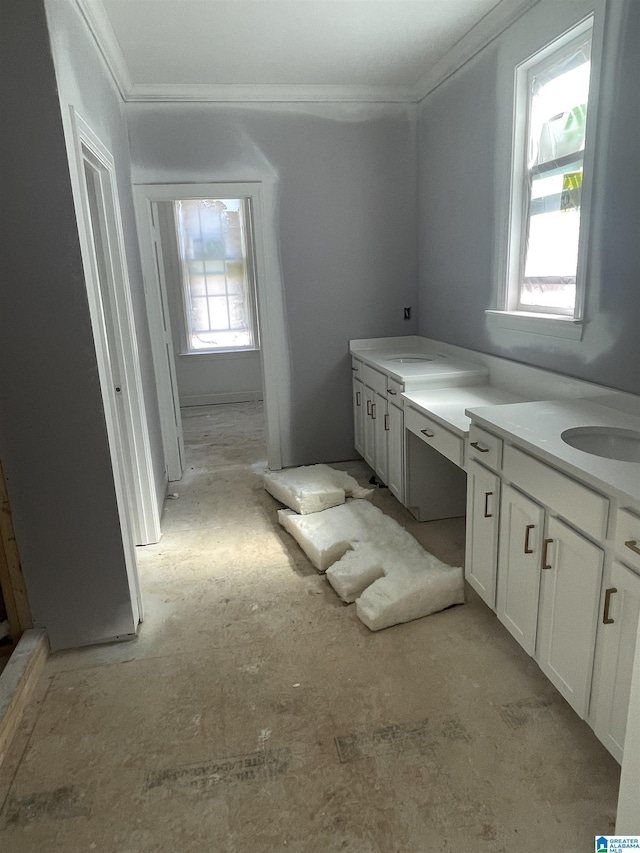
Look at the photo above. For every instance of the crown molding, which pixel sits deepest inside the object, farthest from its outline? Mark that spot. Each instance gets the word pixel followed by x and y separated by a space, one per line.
pixel 266 93
pixel 488 28
pixel 104 37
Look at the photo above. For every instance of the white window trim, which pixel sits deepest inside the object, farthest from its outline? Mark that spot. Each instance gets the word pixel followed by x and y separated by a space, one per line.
pixel 504 315
pixel 254 263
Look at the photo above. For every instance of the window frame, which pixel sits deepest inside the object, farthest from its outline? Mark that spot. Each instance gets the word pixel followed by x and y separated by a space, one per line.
pixel 252 272
pixel 506 314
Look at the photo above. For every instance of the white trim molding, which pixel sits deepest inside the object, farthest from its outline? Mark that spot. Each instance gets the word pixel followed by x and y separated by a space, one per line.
pixel 492 25
pixel 265 93
pixel 488 28
pixel 538 324
pixel 100 27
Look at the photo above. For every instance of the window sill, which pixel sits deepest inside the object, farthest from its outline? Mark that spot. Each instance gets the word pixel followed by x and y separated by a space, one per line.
pixel 537 324
pixel 223 353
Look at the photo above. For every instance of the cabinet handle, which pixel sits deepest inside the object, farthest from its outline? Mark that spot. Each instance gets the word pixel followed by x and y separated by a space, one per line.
pixel 632 544
pixel 393 393
pixel 427 433
pixel 355 369
pixel 386 423
pixel 476 444
pixel 368 407
pixel 487 514
pixel 545 548
pixel 527 531
pixel 358 402
pixel 606 619
pixel 373 411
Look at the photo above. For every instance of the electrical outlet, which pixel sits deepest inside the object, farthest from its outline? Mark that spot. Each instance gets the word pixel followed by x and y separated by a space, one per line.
pixel 407 313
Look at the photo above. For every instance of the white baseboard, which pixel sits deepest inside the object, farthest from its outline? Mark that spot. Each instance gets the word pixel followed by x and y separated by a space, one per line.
pixel 214 399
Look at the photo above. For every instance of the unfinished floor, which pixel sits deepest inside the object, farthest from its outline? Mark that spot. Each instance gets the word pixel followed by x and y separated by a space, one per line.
pixel 256 714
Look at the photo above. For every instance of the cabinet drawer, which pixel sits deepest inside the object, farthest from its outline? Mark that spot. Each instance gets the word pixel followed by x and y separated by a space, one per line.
pixel 394 389
pixel 441 439
pixel 574 502
pixel 375 380
pixel 484 447
pixel 627 538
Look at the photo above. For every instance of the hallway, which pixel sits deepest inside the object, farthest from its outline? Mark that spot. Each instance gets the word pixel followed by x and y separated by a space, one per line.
pixel 256 714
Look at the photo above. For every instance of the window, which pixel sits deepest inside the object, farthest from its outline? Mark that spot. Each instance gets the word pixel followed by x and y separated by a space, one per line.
pixel 218 286
pixel 552 98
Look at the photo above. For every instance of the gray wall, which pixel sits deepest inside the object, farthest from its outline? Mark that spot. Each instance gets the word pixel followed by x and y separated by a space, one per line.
pixel 205 378
pixel 53 439
pixel 345 227
pixel 463 144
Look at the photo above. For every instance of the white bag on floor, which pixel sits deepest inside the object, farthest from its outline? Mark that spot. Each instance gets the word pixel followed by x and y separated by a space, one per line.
pixel 370 559
pixel 313 488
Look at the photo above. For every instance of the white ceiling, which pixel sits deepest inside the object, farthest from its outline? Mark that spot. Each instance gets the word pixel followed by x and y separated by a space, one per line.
pixel 233 48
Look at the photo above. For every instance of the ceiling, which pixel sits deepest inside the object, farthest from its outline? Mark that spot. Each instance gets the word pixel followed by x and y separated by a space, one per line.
pixel 287 49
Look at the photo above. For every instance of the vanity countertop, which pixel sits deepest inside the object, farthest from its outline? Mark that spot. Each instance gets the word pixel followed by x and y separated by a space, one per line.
pixel 447 406
pixel 537 427
pixel 433 367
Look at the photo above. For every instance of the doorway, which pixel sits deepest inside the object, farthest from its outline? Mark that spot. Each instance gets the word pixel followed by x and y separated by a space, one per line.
pixel 152 203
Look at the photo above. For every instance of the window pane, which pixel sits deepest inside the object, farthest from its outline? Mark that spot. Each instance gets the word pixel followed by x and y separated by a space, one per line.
pixel 217 285
pixel 216 276
pixel 558 98
pixel 199 315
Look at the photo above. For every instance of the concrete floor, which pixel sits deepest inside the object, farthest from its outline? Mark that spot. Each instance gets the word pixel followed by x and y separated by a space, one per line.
pixel 256 714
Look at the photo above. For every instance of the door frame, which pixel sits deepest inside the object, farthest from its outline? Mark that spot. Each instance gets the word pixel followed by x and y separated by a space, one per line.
pixel 269 295
pixel 126 424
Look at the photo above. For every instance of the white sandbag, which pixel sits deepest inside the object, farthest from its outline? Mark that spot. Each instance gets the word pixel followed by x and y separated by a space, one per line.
pixel 313 488
pixel 370 559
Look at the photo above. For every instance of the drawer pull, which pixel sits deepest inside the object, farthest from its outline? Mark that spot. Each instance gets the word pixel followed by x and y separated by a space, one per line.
pixel 386 423
pixel 487 514
pixel 355 369
pixel 393 393
pixel 545 561
pixel 358 401
pixel 632 544
pixel 427 433
pixel 373 411
pixel 527 531
pixel 480 449
pixel 606 619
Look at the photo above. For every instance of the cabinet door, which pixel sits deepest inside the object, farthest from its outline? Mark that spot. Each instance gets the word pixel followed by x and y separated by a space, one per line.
pixel 395 451
pixel 521 529
pixel 617 635
pixel 569 600
pixel 378 414
pixel 483 508
pixel 358 418
pixel 368 431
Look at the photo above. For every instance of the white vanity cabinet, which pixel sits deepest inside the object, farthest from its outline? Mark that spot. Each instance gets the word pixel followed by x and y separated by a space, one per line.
pixel 395 450
pixel 568 612
pixel 549 573
pixel 484 452
pixel 617 635
pixel 358 414
pixel 518 588
pixel 379 424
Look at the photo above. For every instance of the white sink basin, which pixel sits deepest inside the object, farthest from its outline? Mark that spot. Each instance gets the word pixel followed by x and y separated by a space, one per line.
pixel 608 442
pixel 411 359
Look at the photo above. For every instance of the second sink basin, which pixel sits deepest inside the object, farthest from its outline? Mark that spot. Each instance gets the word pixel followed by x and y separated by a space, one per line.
pixel 608 442
pixel 411 359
